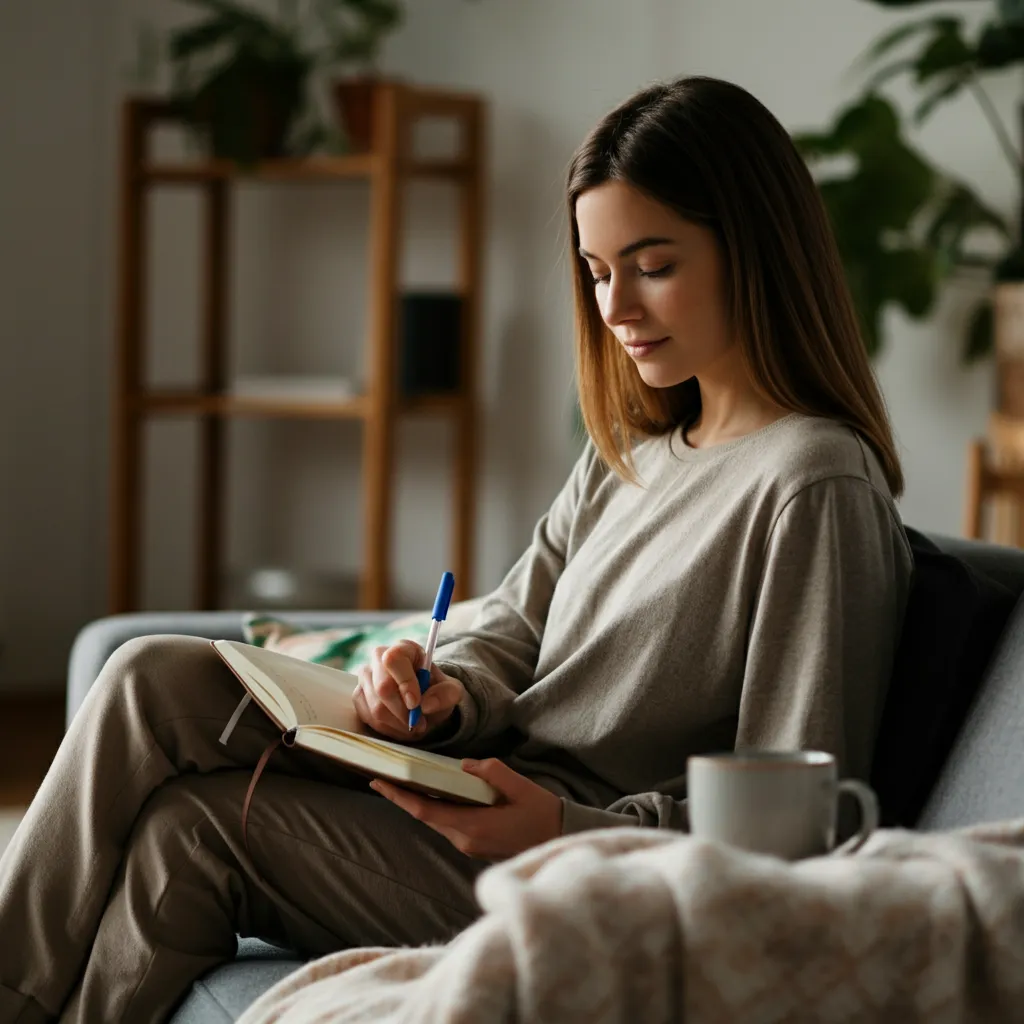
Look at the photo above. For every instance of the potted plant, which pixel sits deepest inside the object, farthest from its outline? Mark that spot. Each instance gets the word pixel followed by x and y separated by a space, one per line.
pixel 355 31
pixel 901 225
pixel 904 226
pixel 242 77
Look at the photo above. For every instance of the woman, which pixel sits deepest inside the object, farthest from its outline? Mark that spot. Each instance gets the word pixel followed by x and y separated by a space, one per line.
pixel 724 567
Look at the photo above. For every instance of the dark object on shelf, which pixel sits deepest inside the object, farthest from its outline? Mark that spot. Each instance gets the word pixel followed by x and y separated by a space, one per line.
pixel 354 103
pixel 429 333
pixel 248 111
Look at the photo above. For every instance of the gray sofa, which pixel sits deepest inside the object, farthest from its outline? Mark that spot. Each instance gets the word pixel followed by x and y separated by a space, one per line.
pixel 981 780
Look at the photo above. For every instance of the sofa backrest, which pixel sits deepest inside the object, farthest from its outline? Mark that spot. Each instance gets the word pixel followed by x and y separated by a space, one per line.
pixel 983 778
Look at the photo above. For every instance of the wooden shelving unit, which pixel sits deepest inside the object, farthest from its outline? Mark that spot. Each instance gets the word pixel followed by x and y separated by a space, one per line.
pixel 386 169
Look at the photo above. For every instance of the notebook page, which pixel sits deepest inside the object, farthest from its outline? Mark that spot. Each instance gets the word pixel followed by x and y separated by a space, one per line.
pixel 390 749
pixel 318 695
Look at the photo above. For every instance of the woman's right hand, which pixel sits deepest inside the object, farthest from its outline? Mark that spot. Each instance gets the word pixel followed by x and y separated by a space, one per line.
pixel 388 689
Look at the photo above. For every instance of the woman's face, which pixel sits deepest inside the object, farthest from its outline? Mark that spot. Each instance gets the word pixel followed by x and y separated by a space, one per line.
pixel 659 282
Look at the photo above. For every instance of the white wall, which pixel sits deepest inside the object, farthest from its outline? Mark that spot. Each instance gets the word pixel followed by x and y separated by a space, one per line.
pixel 54 298
pixel 550 70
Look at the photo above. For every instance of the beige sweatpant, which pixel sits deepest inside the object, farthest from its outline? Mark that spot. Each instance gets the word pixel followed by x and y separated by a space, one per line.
pixel 128 878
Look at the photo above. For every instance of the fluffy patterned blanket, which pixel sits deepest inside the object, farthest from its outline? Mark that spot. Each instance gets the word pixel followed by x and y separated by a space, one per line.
pixel 629 925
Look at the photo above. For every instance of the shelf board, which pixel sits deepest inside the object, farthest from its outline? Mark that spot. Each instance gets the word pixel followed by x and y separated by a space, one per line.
pixel 451 170
pixel 323 168
pixel 430 405
pixel 173 402
pixel 169 402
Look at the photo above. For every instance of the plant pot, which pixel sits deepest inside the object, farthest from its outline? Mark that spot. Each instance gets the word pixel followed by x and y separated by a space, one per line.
pixel 355 102
pixel 247 114
pixel 1008 305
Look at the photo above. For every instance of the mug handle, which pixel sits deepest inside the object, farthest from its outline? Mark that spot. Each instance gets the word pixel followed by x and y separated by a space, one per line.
pixel 865 797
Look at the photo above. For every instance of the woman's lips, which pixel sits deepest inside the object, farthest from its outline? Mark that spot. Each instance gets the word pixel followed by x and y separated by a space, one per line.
pixel 639 349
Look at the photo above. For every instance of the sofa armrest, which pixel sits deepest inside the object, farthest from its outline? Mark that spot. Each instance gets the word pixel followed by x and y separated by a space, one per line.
pixel 99 639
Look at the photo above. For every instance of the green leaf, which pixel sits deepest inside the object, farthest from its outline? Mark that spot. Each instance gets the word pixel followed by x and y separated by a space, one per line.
pixel 1010 10
pixel 1011 266
pixel 947 51
pixel 943 92
pixel 955 215
pixel 869 118
pixel 1000 45
pixel 945 54
pixel 882 211
pixel 187 41
pixel 884 74
pixel 355 29
pixel 815 145
pixel 235 12
pixel 910 279
pixel 891 182
pixel 892 39
pixel 288 13
pixel 901 3
pixel 980 340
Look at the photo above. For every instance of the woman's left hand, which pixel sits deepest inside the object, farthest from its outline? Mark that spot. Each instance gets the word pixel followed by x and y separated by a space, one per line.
pixel 526 816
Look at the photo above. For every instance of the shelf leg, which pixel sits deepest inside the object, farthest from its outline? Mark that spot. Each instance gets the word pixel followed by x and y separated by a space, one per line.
pixel 467 427
pixel 126 490
pixel 212 430
pixel 378 439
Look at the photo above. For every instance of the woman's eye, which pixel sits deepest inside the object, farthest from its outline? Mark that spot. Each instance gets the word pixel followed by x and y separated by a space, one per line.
pixel 659 272
pixel 600 279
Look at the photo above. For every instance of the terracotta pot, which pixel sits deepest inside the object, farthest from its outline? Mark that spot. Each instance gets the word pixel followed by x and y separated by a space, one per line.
pixel 1008 304
pixel 354 100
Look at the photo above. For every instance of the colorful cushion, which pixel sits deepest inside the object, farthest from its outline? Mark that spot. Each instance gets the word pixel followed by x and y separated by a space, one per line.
pixel 349 647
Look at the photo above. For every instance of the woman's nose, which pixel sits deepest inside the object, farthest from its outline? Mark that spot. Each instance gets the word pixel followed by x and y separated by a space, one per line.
pixel 620 304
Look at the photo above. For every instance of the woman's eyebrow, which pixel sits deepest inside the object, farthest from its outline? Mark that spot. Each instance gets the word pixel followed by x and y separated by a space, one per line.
pixel 640 243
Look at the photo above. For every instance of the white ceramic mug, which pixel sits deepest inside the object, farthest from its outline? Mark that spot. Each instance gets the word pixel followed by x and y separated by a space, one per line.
pixel 783 803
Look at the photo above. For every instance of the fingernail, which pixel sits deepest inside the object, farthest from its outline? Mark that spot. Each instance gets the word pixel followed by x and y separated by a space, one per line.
pixel 410 701
pixel 376 786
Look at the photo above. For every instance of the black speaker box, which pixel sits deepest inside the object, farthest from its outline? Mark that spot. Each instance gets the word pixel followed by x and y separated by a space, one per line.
pixel 429 342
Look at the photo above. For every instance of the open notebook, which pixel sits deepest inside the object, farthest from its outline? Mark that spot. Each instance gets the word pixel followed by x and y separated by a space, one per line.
pixel 314 704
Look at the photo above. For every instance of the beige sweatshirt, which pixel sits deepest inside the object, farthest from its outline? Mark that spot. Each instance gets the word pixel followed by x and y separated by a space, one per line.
pixel 748 595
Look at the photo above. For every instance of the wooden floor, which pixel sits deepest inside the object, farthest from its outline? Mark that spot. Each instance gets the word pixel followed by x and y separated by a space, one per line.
pixel 30 732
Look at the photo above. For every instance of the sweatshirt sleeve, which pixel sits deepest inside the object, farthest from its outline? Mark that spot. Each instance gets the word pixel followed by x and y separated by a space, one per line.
pixel 497 659
pixel 824 627
pixel 826 624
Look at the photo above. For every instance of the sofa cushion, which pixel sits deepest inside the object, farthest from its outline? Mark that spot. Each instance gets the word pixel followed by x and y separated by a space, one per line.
pixel 350 647
pixel 225 993
pixel 983 775
pixel 955 614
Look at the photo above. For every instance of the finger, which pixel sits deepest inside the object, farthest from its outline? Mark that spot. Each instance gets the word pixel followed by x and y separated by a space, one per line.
pixel 384 724
pixel 398 796
pixel 386 690
pixel 442 696
pixel 370 710
pixel 435 813
pixel 510 784
pixel 401 660
pixel 359 697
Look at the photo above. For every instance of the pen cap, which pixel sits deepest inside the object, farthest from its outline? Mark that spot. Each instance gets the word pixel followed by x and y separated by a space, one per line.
pixel 444 597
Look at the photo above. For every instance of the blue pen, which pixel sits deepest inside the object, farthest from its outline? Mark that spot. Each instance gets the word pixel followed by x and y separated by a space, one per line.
pixel 439 614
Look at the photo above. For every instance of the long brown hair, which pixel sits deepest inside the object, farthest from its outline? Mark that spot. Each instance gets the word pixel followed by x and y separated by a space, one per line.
pixel 714 154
